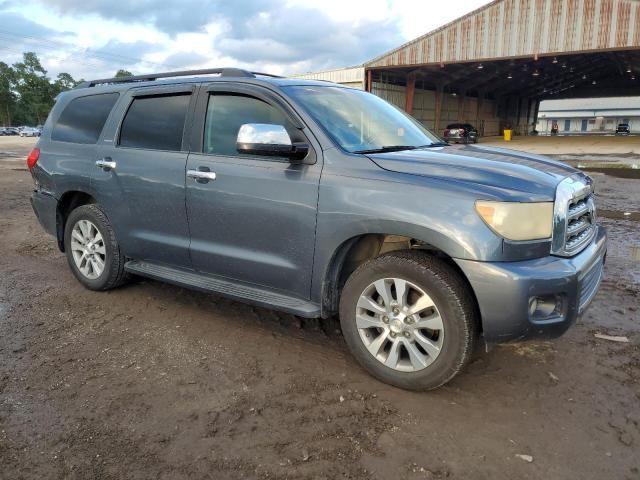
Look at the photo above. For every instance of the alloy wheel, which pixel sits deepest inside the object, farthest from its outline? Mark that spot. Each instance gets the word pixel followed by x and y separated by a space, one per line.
pixel 399 324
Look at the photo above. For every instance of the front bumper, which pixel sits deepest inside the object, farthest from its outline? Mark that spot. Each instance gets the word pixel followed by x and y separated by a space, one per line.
pixel 504 289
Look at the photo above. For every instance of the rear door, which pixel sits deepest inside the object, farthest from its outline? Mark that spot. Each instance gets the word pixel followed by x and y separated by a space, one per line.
pixel 255 223
pixel 141 173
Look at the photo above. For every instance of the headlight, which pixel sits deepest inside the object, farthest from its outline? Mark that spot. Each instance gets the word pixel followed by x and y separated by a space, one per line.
pixel 517 221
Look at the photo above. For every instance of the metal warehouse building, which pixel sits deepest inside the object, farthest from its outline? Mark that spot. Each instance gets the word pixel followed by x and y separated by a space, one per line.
pixel 493 66
pixel 589 115
pixel 349 76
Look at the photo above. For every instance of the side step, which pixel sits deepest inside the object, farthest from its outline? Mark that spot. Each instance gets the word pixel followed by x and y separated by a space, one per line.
pixel 209 283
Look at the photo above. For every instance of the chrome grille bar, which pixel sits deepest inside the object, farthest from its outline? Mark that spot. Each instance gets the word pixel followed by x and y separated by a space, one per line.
pixel 574 216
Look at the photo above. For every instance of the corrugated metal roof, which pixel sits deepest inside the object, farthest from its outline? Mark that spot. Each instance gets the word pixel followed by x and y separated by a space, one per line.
pixel 339 75
pixel 590 104
pixel 518 28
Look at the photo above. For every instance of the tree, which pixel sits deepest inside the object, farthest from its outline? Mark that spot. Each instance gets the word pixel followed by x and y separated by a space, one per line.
pixel 26 93
pixel 34 90
pixel 7 95
pixel 123 73
pixel 64 81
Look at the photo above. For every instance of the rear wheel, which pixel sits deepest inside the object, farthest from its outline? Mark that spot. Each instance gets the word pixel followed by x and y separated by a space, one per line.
pixel 92 250
pixel 408 319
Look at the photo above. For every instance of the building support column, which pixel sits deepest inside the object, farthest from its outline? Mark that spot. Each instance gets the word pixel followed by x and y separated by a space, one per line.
pixel 410 92
pixel 536 107
pixel 439 97
pixel 479 124
pixel 461 98
pixel 368 81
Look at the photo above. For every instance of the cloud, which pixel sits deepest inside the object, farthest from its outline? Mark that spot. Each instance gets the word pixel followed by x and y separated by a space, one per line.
pixel 14 25
pixel 258 32
pixel 185 59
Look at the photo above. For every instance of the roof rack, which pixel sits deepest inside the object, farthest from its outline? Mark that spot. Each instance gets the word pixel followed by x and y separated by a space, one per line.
pixel 223 72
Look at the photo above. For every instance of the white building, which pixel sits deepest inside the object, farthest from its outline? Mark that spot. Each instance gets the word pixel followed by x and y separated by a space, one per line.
pixel 589 115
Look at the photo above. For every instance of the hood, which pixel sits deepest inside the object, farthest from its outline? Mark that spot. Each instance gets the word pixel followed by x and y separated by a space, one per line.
pixel 499 168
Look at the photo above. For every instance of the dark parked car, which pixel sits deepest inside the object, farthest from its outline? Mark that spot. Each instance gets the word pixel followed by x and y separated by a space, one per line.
pixel 9 131
pixel 317 200
pixel 461 133
pixel 623 129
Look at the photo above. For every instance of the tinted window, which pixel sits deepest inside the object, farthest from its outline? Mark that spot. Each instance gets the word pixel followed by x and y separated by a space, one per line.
pixel 226 113
pixel 155 123
pixel 83 118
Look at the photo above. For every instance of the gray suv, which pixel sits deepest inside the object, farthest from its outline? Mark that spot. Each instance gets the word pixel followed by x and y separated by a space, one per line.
pixel 317 200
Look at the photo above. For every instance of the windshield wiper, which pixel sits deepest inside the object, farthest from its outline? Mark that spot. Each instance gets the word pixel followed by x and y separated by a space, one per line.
pixel 388 148
pixel 397 148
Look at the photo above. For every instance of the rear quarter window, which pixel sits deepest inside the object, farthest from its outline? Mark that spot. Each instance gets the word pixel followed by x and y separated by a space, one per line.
pixel 83 119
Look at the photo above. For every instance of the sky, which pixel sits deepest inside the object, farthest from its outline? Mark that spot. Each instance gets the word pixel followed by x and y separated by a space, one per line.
pixel 95 38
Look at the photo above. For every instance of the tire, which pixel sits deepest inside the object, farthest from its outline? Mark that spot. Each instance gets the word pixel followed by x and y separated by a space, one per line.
pixel 452 300
pixel 107 250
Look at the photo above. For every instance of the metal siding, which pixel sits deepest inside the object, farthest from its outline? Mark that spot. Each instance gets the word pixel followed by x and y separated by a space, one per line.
pixel 522 28
pixel 351 77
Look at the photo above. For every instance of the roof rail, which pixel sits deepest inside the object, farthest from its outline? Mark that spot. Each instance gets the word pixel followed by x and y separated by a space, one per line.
pixel 223 72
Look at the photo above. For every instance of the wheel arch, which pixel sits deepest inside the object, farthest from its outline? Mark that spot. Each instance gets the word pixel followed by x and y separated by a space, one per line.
pixel 69 201
pixel 356 249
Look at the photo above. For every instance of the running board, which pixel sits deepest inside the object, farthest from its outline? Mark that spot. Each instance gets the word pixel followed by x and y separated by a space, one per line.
pixel 211 284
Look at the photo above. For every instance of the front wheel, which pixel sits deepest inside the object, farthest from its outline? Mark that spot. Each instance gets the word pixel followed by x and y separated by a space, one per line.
pixel 409 319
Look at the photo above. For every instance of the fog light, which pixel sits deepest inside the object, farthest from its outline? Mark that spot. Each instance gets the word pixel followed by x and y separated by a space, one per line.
pixel 544 307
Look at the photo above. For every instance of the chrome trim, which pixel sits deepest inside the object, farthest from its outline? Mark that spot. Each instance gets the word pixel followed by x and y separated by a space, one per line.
pixel 263 134
pixel 200 175
pixel 573 201
pixel 105 164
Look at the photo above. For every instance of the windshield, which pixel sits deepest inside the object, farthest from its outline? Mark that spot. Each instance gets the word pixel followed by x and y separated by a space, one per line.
pixel 361 122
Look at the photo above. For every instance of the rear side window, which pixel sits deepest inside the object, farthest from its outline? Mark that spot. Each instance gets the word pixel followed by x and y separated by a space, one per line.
pixel 83 118
pixel 156 122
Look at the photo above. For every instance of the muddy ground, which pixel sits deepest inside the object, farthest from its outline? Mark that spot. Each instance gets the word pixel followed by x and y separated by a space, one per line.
pixel 154 381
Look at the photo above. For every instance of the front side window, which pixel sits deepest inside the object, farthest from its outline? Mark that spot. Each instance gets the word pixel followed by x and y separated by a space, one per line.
pixel 227 112
pixel 361 122
pixel 155 122
pixel 83 118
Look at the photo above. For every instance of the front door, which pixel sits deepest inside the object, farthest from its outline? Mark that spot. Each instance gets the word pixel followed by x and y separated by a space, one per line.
pixel 255 222
pixel 141 181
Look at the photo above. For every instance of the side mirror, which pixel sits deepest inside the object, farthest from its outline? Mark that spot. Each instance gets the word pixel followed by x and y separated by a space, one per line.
pixel 270 140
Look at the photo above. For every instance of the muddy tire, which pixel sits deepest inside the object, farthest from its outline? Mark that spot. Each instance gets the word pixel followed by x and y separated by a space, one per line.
pixel 92 250
pixel 409 319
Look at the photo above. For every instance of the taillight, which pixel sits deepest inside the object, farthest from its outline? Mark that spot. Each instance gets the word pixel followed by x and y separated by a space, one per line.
pixel 446 132
pixel 33 157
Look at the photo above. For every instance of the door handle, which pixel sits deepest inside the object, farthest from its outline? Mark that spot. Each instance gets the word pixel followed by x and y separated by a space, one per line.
pixel 200 175
pixel 106 164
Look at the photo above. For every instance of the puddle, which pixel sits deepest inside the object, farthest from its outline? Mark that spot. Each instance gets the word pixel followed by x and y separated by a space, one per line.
pixel 4 308
pixel 617 215
pixel 618 172
pixel 635 254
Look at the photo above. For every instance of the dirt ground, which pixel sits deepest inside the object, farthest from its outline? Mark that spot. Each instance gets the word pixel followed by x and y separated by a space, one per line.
pixel 155 381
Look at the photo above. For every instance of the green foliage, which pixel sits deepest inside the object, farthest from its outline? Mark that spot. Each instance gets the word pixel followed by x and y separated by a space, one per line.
pixel 123 73
pixel 26 93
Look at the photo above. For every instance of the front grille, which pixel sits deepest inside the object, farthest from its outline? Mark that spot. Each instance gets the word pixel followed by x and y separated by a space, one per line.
pixel 580 224
pixel 574 216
